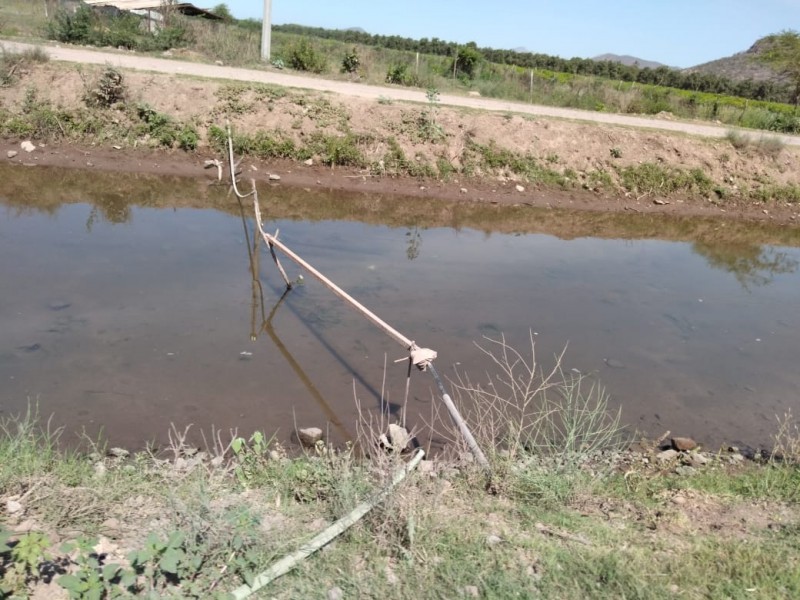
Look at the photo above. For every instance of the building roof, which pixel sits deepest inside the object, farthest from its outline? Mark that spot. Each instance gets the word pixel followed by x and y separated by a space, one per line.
pixel 184 7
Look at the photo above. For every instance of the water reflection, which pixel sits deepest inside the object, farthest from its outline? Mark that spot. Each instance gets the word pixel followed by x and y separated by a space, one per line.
pixel 146 323
pixel 413 243
pixel 751 264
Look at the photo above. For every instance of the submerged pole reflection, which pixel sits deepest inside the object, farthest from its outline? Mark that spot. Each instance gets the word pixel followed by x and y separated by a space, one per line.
pixel 258 308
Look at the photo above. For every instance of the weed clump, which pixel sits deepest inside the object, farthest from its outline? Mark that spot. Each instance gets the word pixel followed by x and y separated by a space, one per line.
pixel 302 56
pixel 164 130
pixel 109 89
pixel 14 64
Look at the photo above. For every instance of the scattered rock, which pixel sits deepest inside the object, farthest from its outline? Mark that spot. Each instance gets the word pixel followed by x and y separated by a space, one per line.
pixel 13 507
pixel 736 458
pixel 697 460
pixel 119 453
pixel 117 147
pixel 660 202
pixel 685 471
pixel 520 188
pixel 111 524
pixel 614 363
pixel 100 470
pixel 464 190
pixel 274 177
pixel 219 63
pixel 493 540
pixel 667 455
pixel 309 163
pixel 398 437
pixel 11 153
pixel 471 591
pixel 683 444
pixel 428 467
pixel 474 94
pixel 309 436
pixel 335 593
pixel 679 500
pixel 27 146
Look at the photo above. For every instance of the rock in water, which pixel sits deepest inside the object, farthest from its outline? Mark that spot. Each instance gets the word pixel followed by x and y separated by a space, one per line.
pixel 398 437
pixel 682 444
pixel 309 436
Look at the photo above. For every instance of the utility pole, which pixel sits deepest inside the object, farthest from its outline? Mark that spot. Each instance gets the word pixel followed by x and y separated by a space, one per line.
pixel 266 31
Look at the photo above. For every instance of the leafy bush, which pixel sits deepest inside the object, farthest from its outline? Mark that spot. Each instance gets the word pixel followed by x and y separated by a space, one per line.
pixel 351 62
pixel 303 57
pixel 165 131
pixel 84 26
pixel 72 28
pixel 109 89
pixel 399 74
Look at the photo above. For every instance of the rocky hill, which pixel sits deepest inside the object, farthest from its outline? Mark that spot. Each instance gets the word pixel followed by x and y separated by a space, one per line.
pixel 742 66
pixel 629 60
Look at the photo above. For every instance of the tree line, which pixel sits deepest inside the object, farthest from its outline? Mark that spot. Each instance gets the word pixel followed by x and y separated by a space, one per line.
pixel 663 76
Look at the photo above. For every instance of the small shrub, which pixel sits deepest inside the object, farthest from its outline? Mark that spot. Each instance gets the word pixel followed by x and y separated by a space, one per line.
pixel 616 153
pixel 351 62
pixel 188 138
pixel 769 146
pixel 72 28
pixel 303 57
pixel 165 130
pixel 738 140
pixel 397 74
pixel 108 90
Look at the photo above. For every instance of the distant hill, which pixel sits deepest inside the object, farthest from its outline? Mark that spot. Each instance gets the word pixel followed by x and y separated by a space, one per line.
pixel 630 60
pixel 357 29
pixel 742 66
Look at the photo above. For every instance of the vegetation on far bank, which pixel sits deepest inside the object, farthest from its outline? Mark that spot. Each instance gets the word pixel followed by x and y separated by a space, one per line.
pixel 541 79
pixel 421 144
pixel 573 509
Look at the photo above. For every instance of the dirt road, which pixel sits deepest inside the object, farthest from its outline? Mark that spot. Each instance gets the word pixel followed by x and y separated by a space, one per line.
pixel 176 67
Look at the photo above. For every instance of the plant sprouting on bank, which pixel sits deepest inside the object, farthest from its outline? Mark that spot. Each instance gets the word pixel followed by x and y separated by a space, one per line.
pixel 13 64
pixel 106 90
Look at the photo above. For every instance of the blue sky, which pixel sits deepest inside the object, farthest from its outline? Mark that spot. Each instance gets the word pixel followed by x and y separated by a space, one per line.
pixel 681 33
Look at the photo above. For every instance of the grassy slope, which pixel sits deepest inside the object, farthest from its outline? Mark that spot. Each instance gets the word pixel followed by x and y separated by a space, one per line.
pixel 611 528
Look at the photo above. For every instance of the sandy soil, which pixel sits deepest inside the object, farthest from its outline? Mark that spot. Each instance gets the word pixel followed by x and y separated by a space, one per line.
pixel 575 148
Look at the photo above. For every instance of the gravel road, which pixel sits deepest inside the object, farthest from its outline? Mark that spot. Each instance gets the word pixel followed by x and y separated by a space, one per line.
pixel 162 65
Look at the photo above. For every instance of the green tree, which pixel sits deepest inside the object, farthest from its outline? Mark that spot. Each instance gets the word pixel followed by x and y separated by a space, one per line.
pixel 222 11
pixel 783 54
pixel 468 59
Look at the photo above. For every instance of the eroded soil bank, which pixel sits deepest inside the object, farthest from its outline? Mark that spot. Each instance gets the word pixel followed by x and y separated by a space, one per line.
pixel 314 139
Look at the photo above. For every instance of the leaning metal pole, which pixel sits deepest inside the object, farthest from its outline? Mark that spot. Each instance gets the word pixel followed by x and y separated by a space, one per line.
pixel 422 358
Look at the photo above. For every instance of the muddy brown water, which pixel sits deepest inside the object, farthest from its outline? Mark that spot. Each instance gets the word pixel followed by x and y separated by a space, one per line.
pixel 127 304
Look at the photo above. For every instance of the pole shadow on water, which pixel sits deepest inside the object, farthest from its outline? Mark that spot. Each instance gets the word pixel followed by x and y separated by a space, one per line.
pixel 258 305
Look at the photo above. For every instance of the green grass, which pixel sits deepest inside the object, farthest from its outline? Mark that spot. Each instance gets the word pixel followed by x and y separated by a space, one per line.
pixel 606 530
pixel 655 180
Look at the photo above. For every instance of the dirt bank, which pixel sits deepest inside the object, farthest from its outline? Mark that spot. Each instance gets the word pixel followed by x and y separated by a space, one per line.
pixel 426 150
